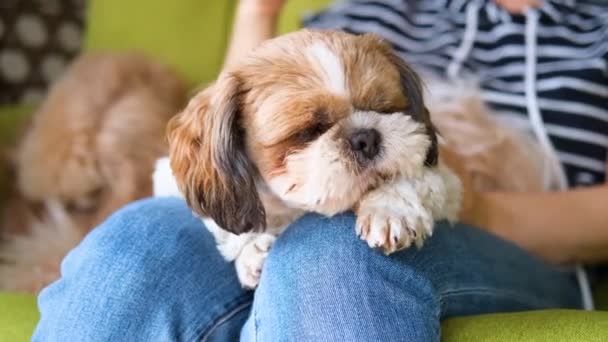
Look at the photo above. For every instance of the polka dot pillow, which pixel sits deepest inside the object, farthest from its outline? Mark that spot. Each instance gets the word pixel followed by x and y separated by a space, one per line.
pixel 38 38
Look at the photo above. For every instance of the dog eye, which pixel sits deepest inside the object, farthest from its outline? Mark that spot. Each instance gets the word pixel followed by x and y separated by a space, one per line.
pixel 313 132
pixel 390 108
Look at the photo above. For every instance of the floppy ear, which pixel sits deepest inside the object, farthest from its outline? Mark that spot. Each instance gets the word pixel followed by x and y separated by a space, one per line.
pixel 209 160
pixel 411 86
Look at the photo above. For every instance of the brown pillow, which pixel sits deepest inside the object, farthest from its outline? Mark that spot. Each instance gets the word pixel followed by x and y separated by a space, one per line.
pixel 38 38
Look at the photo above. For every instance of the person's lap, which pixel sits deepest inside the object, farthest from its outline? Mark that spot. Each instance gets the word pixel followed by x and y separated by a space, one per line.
pixel 151 272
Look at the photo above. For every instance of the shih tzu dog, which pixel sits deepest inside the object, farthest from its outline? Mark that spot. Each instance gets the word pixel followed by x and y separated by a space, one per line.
pixel 89 149
pixel 312 121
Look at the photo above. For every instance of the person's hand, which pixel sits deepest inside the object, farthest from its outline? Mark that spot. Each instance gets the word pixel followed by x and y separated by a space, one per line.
pixel 270 8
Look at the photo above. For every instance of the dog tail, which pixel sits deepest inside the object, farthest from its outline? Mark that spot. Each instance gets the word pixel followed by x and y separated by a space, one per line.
pixel 29 262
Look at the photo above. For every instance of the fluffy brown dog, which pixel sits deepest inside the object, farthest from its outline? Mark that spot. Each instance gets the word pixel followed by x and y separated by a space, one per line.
pixel 90 149
pixel 323 121
pixel 498 155
pixel 312 121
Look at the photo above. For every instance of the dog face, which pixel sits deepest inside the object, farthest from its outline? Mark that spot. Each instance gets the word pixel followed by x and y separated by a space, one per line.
pixel 316 117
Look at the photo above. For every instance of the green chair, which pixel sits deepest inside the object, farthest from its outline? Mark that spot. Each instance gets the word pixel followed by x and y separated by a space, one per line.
pixel 191 35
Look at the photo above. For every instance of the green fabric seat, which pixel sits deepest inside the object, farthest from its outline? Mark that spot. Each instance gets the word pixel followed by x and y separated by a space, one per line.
pixel 18 317
pixel 191 35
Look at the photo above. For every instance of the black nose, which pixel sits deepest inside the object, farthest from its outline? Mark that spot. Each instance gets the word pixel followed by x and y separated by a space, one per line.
pixel 365 142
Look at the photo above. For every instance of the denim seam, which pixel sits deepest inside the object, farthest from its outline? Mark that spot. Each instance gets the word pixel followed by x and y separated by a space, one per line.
pixel 255 323
pixel 438 301
pixel 512 295
pixel 231 312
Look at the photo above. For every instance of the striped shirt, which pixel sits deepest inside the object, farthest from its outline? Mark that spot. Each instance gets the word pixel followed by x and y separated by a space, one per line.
pixel 545 70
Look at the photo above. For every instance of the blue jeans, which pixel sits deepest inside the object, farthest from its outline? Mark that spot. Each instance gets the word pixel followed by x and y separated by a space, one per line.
pixel 151 272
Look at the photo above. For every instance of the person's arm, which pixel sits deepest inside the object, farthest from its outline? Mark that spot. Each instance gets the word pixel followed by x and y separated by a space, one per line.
pixel 254 22
pixel 561 227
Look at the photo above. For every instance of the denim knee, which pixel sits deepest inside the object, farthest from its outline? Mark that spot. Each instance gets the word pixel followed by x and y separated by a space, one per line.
pixel 314 247
pixel 322 282
pixel 131 232
pixel 149 262
pixel 151 218
pixel 320 249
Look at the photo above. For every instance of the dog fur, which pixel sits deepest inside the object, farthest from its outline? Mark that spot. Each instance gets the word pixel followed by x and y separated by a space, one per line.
pixel 90 149
pixel 498 155
pixel 277 135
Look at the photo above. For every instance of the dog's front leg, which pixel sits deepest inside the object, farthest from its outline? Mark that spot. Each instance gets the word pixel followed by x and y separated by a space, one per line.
pixel 250 261
pixel 402 212
pixel 248 251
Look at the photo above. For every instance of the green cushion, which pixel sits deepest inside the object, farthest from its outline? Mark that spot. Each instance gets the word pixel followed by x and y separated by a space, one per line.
pixel 18 313
pixel 187 34
pixel 190 35
pixel 12 120
pixel 18 316
pixel 294 10
pixel 545 325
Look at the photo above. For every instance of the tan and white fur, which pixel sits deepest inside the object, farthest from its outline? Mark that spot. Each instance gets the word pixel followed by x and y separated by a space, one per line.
pixel 89 150
pixel 497 154
pixel 313 121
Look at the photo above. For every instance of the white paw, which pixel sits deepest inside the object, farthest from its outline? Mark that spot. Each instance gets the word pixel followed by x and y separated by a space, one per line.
pixel 395 226
pixel 250 261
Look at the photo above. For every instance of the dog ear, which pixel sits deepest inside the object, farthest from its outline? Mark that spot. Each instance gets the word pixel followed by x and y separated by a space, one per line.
pixel 411 86
pixel 210 161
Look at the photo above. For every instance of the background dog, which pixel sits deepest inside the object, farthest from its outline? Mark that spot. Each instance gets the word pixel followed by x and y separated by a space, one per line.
pixel 90 149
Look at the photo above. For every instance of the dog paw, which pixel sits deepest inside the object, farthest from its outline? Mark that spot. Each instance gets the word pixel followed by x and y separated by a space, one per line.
pixel 250 261
pixel 392 223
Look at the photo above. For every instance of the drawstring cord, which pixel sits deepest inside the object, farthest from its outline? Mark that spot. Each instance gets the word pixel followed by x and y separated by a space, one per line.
pixel 553 170
pixel 542 136
pixel 470 31
pixel 585 287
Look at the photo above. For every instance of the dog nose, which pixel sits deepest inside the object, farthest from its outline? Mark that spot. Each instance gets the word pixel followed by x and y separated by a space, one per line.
pixel 365 142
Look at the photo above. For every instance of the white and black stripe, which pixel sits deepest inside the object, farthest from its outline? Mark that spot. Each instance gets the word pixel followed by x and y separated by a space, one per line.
pixel 571 62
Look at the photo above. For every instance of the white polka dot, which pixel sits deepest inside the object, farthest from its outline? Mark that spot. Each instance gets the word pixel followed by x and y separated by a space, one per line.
pixel 69 36
pixel 31 31
pixel 13 65
pixel 52 66
pixel 32 95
